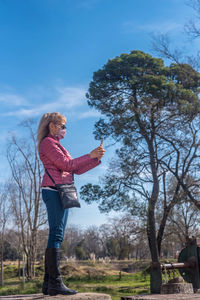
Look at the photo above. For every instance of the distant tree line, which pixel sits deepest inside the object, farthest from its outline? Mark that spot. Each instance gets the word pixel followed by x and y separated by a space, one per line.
pixel 121 238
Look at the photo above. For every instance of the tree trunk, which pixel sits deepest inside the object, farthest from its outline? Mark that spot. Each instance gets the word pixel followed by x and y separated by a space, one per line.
pixel 2 273
pixel 166 212
pixel 156 275
pixel 23 270
pixel 161 229
pixel 19 268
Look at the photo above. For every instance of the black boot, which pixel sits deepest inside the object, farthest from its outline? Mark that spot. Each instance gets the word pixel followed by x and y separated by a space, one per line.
pixel 46 276
pixel 55 284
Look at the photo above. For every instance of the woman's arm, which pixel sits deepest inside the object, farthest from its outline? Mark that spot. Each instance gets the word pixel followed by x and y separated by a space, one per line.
pixel 92 164
pixel 95 156
pixel 64 162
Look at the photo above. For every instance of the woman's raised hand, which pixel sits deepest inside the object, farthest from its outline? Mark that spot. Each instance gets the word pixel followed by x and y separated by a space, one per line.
pixel 98 152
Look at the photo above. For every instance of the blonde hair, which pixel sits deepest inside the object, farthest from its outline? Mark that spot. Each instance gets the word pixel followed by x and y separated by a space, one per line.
pixel 43 128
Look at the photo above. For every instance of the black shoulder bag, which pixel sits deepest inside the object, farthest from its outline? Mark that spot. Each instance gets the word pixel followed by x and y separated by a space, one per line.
pixel 68 193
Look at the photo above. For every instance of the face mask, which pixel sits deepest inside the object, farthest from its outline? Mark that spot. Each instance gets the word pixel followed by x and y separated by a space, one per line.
pixel 61 134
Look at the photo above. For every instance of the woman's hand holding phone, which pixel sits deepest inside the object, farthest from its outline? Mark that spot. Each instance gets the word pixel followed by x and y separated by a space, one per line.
pixel 98 152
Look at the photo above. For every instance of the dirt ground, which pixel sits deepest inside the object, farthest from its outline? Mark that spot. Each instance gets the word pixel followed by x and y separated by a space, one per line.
pixel 79 296
pixel 164 297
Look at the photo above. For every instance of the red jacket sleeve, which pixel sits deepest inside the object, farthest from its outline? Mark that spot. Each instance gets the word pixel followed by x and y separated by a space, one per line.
pixel 64 161
pixel 92 164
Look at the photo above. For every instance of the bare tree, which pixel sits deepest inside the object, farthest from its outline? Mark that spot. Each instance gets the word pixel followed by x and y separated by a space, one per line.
pixel 73 235
pixel 185 222
pixel 192 27
pixel 187 166
pixel 161 44
pixel 4 217
pixel 13 236
pixel 25 196
pixel 92 241
pixel 121 236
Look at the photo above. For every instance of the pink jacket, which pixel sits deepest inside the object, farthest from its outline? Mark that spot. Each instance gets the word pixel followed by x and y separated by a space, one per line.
pixel 59 163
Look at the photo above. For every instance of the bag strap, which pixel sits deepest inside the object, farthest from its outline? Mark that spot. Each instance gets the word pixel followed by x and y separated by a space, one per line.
pixel 50 176
pixel 53 179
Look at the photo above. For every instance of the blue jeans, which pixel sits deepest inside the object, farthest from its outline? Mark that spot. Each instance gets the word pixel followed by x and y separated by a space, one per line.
pixel 57 218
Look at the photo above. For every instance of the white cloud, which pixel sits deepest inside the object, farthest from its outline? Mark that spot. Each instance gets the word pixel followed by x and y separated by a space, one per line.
pixel 25 112
pixel 12 99
pixel 70 96
pixel 89 114
pixel 132 27
pixel 64 98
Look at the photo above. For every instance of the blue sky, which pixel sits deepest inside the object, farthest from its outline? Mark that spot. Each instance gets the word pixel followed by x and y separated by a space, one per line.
pixel 49 50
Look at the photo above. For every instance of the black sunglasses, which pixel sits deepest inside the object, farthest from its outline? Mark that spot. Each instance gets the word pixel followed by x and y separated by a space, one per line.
pixel 61 126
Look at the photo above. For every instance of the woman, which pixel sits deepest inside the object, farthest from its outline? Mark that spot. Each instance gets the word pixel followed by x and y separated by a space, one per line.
pixel 60 165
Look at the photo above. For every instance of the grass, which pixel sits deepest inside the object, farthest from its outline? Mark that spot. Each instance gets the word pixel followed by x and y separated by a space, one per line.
pixel 91 277
pixel 131 284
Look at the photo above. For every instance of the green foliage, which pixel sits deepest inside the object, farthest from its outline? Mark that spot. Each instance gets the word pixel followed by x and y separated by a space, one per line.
pixel 79 251
pixel 133 85
pixel 112 247
pixel 10 271
pixel 9 252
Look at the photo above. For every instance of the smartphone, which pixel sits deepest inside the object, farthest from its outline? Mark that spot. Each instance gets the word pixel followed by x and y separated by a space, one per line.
pixel 102 141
